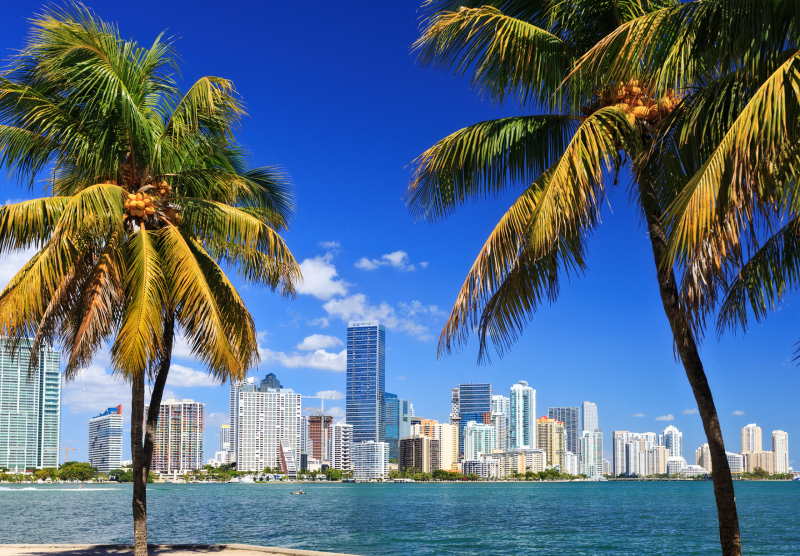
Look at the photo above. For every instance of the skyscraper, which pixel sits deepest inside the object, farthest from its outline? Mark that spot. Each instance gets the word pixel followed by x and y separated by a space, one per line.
pixel 366 380
pixel 780 447
pixel 702 457
pixel 474 404
pixel 370 460
pixel 420 452
pixel 479 440
pixel 341 446
pixel 571 417
pixel 105 440
pixel 225 438
pixel 319 433
pixel 270 381
pixel 672 438
pixel 405 413
pixel 391 424
pixel 522 417
pixel 591 455
pixel 30 407
pixel 266 417
pixel 589 422
pixel 550 438
pixel 501 409
pixel 751 438
pixel 179 438
pixel 446 434
pixel 455 408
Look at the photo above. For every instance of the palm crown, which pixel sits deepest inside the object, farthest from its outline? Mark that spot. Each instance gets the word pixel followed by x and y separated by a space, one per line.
pixel 150 193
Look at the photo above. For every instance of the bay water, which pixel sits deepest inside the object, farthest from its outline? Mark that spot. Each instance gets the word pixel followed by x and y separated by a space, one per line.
pixel 614 518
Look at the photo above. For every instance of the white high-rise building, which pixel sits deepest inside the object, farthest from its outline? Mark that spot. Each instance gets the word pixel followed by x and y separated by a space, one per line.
pixel 751 438
pixel 522 417
pixel 479 440
pixel 236 386
pixel 631 455
pixel 780 447
pixel 179 438
pixel 592 453
pixel 340 452
pixel 589 422
pixel 288 458
pixel 105 440
pixel 370 460
pixel 30 407
pixel 501 409
pixel 735 462
pixel 225 438
pixel 266 416
pixel 572 463
pixel 501 404
pixel 672 438
pixel 306 446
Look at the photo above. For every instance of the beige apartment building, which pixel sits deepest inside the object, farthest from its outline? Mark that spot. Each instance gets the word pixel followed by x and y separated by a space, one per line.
pixel 702 457
pixel 550 438
pixel 751 438
pixel 446 434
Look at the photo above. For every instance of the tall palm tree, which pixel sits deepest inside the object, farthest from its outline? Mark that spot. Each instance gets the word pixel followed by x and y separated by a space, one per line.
pixel 698 100
pixel 150 195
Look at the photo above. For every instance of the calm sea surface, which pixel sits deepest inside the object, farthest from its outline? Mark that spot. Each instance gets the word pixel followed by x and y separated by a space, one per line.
pixel 415 519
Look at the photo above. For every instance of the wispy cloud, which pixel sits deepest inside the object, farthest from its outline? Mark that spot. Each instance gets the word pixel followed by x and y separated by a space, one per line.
pixel 669 417
pixel 399 260
pixel 322 322
pixel 739 412
pixel 401 377
pixel 319 341
pixel 330 245
pixel 188 378
pixel 639 415
pixel 690 411
pixel 217 419
pixel 94 390
pixel 319 359
pixel 319 278
pixel 356 307
pixel 330 394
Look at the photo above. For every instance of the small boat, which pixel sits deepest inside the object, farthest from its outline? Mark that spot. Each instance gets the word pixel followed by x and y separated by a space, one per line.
pixel 247 480
pixel 299 492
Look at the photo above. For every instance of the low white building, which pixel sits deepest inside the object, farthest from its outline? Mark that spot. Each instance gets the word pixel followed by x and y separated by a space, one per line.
pixel 735 462
pixel 694 471
pixel 676 465
pixel 485 467
pixel 370 460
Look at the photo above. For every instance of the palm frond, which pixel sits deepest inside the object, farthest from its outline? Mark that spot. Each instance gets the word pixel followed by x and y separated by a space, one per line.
pixel 30 223
pixel 482 160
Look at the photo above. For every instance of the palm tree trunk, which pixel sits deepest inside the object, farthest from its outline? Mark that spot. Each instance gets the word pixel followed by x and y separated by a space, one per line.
pixel 143 452
pixel 729 536
pixel 139 473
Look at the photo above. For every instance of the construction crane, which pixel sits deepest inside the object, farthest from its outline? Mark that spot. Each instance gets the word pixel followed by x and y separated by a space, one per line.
pixel 317 409
pixel 67 450
pixel 322 402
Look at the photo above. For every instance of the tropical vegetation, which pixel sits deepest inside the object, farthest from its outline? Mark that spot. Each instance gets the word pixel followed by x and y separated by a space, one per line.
pixel 692 107
pixel 150 200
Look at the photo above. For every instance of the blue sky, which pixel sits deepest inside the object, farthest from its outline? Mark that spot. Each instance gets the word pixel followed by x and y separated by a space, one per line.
pixel 335 97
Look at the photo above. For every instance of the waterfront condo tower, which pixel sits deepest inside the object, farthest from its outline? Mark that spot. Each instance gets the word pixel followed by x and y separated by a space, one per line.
pixel 589 421
pixel 391 428
pixel 751 438
pixel 474 404
pixel 267 416
pixel 225 438
pixel 672 438
pixel 522 417
pixel 341 456
pixel 105 440
pixel 780 447
pixel 30 406
pixel 179 439
pixel 366 380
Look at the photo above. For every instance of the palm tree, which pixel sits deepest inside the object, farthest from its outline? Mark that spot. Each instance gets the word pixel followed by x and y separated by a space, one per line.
pixel 698 100
pixel 149 195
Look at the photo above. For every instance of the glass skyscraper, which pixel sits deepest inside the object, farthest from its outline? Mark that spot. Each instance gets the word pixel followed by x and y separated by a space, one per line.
pixel 571 417
pixel 391 429
pixel 366 380
pixel 30 407
pixel 474 404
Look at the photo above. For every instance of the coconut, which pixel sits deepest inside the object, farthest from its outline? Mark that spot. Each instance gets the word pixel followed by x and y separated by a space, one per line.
pixel 641 112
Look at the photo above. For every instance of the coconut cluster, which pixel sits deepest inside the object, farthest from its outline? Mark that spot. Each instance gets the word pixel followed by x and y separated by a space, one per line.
pixel 637 100
pixel 140 204
pixel 162 189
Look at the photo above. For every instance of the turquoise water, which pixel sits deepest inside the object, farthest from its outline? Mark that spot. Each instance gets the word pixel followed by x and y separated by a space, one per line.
pixel 666 518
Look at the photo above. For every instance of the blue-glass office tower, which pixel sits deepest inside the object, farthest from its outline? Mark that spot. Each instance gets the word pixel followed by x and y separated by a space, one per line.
pixel 474 404
pixel 405 413
pixel 366 380
pixel 391 424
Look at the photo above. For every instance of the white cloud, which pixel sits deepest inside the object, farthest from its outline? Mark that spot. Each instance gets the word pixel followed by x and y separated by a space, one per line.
pixel 330 244
pixel 319 359
pixel 181 348
pixel 337 413
pixel 217 419
pixel 424 264
pixel 319 278
pixel 356 307
pixel 318 341
pixel 322 322
pixel 690 411
pixel 416 307
pixel 398 259
pixel 639 415
pixel 401 377
pixel 330 394
pixel 188 378
pixel 739 412
pixel 669 417
pixel 11 263
pixel 94 390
